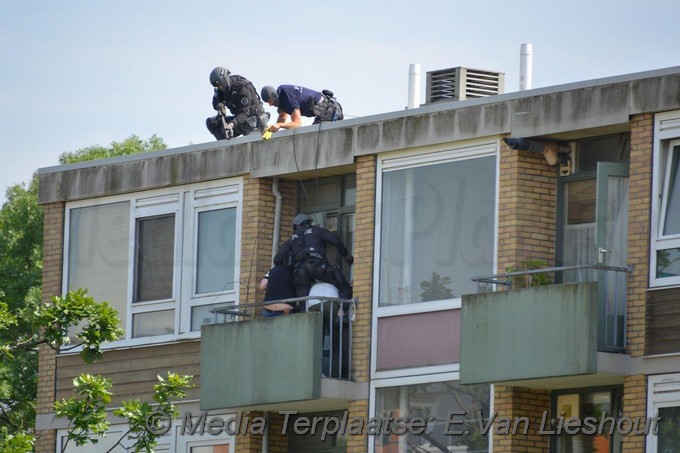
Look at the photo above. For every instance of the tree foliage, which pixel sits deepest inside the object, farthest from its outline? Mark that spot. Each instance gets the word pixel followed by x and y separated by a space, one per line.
pixel 436 289
pixel 131 145
pixel 21 232
pixel 86 411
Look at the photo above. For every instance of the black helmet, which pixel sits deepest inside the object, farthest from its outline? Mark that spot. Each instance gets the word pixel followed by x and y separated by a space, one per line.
pixel 269 92
pixel 219 77
pixel 301 219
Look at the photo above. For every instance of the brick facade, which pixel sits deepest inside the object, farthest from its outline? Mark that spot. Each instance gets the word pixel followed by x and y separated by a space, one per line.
pixel 53 247
pixel 363 289
pixel 641 152
pixel 511 403
pixel 259 205
pixel 634 405
pixel 363 266
pixel 356 443
pixel 527 203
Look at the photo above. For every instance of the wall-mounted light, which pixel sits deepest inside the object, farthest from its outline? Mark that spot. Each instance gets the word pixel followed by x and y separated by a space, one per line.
pixel 551 151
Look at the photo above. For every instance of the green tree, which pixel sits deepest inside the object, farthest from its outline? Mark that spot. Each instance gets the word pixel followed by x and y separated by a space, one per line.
pixel 95 323
pixel 131 145
pixel 436 289
pixel 21 226
pixel 21 234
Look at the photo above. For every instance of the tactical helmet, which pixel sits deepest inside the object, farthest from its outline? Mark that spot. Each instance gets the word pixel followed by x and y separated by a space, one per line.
pixel 301 219
pixel 269 92
pixel 218 77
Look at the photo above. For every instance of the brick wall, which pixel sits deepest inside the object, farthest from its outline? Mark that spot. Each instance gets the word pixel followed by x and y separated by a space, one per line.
pixel 363 289
pixel 357 443
pixel 513 402
pixel 249 443
pixel 278 442
pixel 527 209
pixel 259 205
pixel 634 405
pixel 363 266
pixel 641 150
pixel 51 286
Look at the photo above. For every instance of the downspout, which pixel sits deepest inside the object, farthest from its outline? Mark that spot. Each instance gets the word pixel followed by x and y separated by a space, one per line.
pixel 277 216
pixel 265 436
pixel 276 235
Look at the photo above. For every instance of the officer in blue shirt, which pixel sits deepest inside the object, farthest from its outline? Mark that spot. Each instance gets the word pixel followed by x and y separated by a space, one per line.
pixel 297 101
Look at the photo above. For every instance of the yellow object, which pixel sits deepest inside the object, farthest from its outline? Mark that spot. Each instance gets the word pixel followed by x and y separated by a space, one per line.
pixel 267 135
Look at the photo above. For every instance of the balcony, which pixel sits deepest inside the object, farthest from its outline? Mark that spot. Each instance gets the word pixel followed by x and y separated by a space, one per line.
pixel 552 336
pixel 298 362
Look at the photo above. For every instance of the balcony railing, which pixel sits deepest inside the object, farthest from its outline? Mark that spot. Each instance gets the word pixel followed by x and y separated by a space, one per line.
pixel 612 294
pixel 336 336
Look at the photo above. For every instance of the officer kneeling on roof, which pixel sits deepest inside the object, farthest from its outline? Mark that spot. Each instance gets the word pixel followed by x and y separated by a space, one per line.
pixel 308 248
pixel 237 94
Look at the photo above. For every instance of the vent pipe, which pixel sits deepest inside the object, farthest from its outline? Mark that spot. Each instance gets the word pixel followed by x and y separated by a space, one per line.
pixel 413 86
pixel 525 67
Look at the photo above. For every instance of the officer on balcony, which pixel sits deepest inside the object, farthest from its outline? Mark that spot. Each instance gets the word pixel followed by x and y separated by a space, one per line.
pixel 308 249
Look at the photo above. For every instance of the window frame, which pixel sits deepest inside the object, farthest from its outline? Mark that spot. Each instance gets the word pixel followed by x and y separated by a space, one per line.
pixel 174 441
pixel 415 379
pixel 185 202
pixel 615 398
pixel 155 205
pixel 408 159
pixel 207 200
pixel 341 211
pixel 666 143
pixel 668 395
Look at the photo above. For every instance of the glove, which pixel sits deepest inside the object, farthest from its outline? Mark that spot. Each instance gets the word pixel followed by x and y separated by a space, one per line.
pixel 349 259
pixel 229 130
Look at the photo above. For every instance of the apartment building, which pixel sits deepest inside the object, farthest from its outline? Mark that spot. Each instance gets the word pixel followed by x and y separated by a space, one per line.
pixel 501 286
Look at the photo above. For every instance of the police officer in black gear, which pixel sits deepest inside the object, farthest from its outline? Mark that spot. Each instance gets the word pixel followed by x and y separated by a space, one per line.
pixel 237 94
pixel 308 248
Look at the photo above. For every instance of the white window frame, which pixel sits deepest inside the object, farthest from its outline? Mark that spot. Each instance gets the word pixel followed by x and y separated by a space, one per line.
pixel 203 200
pixel 377 384
pixel 666 137
pixel 114 430
pixel 399 160
pixel 663 391
pixel 173 441
pixel 185 202
pixel 141 208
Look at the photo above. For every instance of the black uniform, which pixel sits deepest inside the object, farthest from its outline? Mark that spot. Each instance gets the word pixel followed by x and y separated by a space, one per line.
pixel 281 285
pixel 245 105
pixel 308 247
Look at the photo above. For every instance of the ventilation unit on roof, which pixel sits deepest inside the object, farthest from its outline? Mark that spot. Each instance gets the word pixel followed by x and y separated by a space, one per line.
pixel 457 84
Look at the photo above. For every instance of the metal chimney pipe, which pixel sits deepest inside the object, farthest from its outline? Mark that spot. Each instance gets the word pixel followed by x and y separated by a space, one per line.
pixel 413 86
pixel 525 67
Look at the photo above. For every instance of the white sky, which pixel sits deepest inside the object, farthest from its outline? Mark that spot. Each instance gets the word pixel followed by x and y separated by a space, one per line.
pixel 77 73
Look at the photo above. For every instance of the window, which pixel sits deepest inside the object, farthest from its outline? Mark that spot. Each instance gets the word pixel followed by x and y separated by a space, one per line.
pixel 164 258
pixel 181 437
pixel 437 403
pixel 668 250
pixel 665 240
pixel 436 224
pixel 97 252
pixel 331 201
pixel 601 405
pixel 154 258
pixel 663 401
